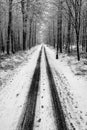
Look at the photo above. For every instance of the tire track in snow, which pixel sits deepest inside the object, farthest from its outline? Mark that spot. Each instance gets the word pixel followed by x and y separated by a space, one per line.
pixel 59 115
pixel 44 114
pixel 28 116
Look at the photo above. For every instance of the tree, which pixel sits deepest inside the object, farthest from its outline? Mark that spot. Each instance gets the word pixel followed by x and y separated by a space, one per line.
pixel 68 35
pixel 9 26
pixel 74 8
pixel 84 29
pixel 24 16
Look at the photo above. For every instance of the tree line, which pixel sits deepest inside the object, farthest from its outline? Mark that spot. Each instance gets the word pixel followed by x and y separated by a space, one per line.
pixel 18 24
pixel 68 26
pixel 65 24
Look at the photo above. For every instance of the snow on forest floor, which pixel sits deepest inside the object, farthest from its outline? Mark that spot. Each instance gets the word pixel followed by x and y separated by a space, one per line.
pixel 71 78
pixel 14 92
pixel 9 63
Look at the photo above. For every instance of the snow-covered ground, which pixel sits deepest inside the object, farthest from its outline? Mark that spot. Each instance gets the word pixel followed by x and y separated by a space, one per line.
pixel 9 63
pixel 70 76
pixel 44 115
pixel 15 90
pixel 72 87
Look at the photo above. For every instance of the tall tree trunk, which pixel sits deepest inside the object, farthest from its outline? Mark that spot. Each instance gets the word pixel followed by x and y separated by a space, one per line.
pixel 9 26
pixel 77 40
pixel 24 39
pixel 12 42
pixel 69 31
pixel 24 17
pixel 49 36
pixel 83 35
pixel 2 43
pixel 57 38
pixel 60 36
pixel 30 28
pixel 86 42
pixel 19 46
pixel 35 33
pixel 60 26
pixel 53 34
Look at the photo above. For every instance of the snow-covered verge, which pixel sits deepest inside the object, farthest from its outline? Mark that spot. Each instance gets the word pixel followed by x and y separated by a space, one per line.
pixel 10 63
pixel 72 88
pixel 13 95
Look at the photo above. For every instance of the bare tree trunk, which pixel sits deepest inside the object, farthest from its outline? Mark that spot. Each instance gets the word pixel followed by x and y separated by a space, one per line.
pixel 24 16
pixel 57 38
pixel 30 28
pixel 2 43
pixel 12 42
pixel 69 30
pixel 60 41
pixel 19 46
pixel 35 33
pixel 9 26
pixel 77 40
pixel 86 42
pixel 60 26
pixel 53 34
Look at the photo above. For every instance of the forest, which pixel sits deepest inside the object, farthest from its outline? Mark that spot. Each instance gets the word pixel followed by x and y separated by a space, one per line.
pixel 43 64
pixel 60 23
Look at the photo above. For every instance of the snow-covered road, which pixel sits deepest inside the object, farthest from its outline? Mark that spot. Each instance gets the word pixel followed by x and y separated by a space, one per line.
pixel 71 89
pixel 43 109
pixel 44 115
pixel 13 97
